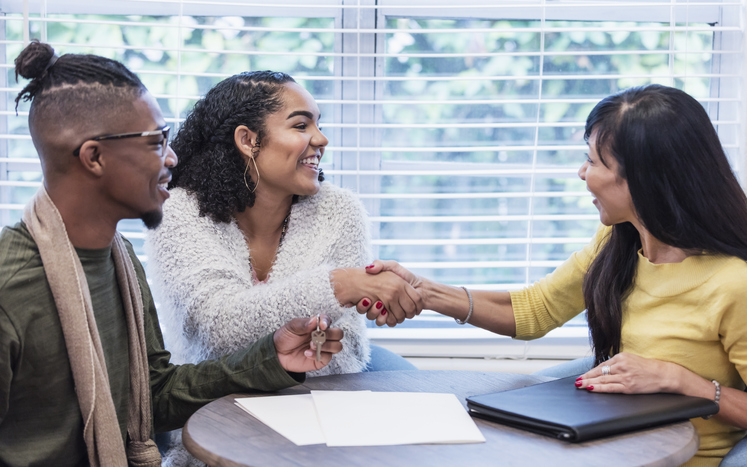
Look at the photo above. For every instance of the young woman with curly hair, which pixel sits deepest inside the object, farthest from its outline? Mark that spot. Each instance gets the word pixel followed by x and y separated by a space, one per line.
pixel 251 236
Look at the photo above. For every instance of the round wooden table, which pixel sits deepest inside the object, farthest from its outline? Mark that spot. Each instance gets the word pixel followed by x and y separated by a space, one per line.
pixel 222 434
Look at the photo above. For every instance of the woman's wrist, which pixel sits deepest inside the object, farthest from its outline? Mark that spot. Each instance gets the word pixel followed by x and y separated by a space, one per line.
pixel 344 285
pixel 680 380
pixel 445 299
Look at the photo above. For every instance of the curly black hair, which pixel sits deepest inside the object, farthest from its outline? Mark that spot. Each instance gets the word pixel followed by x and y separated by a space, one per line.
pixel 210 164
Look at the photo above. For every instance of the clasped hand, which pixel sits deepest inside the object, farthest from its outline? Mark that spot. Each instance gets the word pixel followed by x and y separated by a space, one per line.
pixel 382 290
pixel 391 316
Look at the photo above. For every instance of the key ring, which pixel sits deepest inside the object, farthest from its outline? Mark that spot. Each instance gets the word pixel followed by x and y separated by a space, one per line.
pixel 318 321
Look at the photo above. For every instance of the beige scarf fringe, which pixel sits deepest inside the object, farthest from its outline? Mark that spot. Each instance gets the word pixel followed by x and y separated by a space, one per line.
pixel 69 287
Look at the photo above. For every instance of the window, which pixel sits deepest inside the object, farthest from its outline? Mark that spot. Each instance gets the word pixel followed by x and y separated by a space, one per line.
pixel 459 125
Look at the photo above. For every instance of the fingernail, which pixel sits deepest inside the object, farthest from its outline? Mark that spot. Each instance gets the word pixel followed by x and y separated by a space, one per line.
pixel 579 378
pixel 590 388
pixel 379 305
pixel 578 384
pixel 383 312
pixel 365 302
pixel 369 266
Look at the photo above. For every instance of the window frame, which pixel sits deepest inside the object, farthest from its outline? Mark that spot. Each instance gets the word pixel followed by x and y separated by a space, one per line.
pixel 355 107
pixel 569 341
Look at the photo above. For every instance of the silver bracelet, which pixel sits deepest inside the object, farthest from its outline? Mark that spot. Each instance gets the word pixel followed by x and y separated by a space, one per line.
pixel 471 308
pixel 717 398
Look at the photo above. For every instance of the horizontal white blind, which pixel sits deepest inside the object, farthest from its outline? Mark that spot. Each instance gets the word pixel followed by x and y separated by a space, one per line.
pixel 459 124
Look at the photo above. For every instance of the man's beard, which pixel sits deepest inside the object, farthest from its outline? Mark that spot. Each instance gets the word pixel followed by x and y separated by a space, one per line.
pixel 152 219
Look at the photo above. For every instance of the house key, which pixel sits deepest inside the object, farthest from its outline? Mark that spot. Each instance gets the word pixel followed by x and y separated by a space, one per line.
pixel 318 337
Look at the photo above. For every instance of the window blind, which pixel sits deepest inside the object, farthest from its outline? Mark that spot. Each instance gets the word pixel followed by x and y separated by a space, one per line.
pixel 459 125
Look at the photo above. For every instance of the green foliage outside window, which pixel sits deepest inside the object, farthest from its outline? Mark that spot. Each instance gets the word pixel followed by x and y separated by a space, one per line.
pixel 215 47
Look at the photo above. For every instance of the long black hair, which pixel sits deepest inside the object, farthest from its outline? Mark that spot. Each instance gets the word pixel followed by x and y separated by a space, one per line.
pixel 683 190
pixel 210 164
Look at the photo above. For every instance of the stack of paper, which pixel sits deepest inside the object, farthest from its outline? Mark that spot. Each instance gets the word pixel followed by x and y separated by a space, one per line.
pixel 347 418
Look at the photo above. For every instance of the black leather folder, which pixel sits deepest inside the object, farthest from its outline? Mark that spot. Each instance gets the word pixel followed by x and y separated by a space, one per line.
pixel 558 409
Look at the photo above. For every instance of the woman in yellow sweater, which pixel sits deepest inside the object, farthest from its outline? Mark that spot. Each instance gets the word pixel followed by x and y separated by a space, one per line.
pixel 664 282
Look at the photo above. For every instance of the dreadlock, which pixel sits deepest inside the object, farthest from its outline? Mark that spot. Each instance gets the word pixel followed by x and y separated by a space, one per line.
pixel 76 84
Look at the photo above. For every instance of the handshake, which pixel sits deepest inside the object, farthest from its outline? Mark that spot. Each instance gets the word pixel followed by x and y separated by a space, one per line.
pixel 384 291
pixel 388 294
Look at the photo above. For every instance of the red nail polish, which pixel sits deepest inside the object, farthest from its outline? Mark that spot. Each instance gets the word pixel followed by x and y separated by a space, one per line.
pixel 379 305
pixel 589 388
pixel 579 378
pixel 365 302
pixel 383 312
pixel 578 384
pixel 369 266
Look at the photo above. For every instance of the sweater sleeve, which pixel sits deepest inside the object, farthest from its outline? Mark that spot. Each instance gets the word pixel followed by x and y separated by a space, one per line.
pixel 733 325
pixel 351 248
pixel 177 391
pixel 557 297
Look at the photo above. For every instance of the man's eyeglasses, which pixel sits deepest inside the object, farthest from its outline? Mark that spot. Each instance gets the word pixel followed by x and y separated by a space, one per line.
pixel 163 131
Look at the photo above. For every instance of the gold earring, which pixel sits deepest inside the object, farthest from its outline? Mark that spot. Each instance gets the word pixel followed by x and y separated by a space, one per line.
pixel 245 171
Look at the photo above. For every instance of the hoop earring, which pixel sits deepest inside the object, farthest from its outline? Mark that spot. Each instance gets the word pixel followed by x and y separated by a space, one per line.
pixel 246 170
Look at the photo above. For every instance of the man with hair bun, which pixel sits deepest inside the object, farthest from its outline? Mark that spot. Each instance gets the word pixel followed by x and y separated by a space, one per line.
pixel 84 377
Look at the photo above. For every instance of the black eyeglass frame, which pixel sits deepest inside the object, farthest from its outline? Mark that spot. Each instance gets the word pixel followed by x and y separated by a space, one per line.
pixel 162 131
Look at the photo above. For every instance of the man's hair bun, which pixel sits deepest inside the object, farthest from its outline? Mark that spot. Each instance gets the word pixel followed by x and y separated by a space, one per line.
pixel 38 63
pixel 33 60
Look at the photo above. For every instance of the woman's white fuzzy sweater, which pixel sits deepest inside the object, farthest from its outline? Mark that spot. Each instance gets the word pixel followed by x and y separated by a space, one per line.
pixel 208 303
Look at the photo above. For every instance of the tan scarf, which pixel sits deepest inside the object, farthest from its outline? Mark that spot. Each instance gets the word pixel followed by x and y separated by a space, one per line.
pixel 73 300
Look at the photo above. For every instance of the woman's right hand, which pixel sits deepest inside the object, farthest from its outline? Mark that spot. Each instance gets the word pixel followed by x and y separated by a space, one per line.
pixel 385 292
pixel 367 307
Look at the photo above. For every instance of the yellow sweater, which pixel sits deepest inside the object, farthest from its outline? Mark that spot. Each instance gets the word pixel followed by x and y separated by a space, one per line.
pixel 692 313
